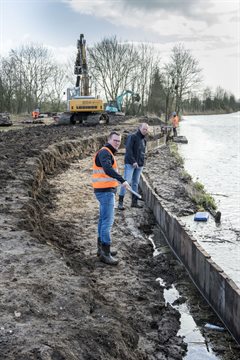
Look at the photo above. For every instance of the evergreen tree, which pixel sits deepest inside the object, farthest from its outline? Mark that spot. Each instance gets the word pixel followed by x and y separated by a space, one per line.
pixel 157 94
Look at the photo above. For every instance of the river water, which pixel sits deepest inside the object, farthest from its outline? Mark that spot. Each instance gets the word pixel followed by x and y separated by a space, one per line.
pixel 212 157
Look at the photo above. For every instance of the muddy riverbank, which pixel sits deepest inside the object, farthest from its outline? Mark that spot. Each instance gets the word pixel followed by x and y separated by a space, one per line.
pixel 57 300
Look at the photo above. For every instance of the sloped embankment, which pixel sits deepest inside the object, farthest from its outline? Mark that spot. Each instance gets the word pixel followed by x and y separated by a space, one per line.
pixel 57 300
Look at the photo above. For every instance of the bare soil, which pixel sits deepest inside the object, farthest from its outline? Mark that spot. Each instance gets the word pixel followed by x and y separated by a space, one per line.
pixel 58 301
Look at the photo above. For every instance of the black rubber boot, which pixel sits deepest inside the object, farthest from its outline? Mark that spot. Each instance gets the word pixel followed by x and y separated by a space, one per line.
pixel 99 249
pixel 120 203
pixel 106 256
pixel 135 202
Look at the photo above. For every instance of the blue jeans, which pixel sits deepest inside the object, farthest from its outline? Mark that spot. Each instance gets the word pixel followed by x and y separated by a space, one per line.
pixel 132 176
pixel 106 215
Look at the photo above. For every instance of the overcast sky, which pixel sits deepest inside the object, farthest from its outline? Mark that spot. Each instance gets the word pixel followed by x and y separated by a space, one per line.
pixel 209 28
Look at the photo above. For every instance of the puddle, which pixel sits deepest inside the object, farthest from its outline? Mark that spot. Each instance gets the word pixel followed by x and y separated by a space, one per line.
pixel 157 251
pixel 198 347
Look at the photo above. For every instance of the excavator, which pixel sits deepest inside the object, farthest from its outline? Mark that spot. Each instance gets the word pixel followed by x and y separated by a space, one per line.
pixel 82 107
pixel 115 106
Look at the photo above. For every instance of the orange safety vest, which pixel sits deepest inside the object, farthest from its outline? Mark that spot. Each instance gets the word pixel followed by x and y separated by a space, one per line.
pixel 175 121
pixel 100 180
pixel 35 114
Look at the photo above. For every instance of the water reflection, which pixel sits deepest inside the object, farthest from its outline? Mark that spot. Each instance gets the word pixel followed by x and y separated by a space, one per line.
pixel 212 157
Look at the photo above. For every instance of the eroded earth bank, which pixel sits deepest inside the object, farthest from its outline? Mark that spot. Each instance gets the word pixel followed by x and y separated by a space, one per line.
pixel 58 301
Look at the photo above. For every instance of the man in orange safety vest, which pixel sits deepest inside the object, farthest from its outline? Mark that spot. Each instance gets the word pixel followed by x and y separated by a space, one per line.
pixel 175 122
pixel 105 180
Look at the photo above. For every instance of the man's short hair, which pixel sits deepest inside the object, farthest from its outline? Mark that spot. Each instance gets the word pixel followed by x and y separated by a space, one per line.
pixel 113 133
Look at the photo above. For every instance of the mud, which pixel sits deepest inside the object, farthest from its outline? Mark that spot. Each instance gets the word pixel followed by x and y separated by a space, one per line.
pixel 58 301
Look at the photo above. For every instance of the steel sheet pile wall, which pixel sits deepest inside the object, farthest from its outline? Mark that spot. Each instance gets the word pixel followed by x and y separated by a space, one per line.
pixel 221 292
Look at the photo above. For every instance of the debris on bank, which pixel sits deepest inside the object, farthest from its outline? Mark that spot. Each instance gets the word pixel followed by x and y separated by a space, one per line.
pixel 5 119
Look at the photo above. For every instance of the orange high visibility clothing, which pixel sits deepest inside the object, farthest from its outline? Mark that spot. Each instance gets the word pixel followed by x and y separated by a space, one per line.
pixel 100 180
pixel 35 114
pixel 175 121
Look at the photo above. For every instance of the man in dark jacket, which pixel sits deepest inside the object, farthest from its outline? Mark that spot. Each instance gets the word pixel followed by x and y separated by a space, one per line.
pixel 134 161
pixel 105 180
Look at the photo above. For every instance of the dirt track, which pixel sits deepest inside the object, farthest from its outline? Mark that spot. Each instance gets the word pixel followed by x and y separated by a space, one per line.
pixel 57 300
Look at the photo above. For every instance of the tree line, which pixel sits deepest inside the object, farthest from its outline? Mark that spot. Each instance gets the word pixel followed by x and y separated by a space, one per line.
pixel 30 77
pixel 219 101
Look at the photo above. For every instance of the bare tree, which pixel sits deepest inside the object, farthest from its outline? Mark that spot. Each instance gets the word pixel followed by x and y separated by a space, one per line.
pixel 113 65
pixel 69 71
pixel 183 72
pixel 148 61
pixel 56 87
pixel 33 69
pixel 29 78
pixel 8 84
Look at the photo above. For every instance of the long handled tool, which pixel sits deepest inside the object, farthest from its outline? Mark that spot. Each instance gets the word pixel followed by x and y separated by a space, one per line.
pixel 134 193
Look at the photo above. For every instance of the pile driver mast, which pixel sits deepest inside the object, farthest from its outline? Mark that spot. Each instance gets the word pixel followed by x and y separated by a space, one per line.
pixel 81 68
pixel 83 107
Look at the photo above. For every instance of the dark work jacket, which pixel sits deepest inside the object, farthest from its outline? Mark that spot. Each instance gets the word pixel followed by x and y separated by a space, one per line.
pixel 105 160
pixel 135 148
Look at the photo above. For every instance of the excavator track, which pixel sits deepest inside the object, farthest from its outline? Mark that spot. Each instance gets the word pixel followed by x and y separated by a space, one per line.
pixel 91 120
pixel 96 119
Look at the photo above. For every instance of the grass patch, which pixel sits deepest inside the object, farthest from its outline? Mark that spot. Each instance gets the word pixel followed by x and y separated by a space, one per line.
pixel 198 186
pixel 202 199
pixel 174 152
pixel 185 176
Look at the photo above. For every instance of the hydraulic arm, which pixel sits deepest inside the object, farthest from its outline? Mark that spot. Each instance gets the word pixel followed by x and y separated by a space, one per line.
pixel 115 106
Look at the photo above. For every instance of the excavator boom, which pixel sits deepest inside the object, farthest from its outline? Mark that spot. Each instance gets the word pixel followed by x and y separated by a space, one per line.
pixel 115 106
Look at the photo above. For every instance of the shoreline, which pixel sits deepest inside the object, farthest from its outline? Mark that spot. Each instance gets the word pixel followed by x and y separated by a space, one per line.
pixel 58 300
pixel 191 113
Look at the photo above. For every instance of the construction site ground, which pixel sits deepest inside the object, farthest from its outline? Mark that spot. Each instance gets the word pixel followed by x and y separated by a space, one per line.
pixel 58 301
